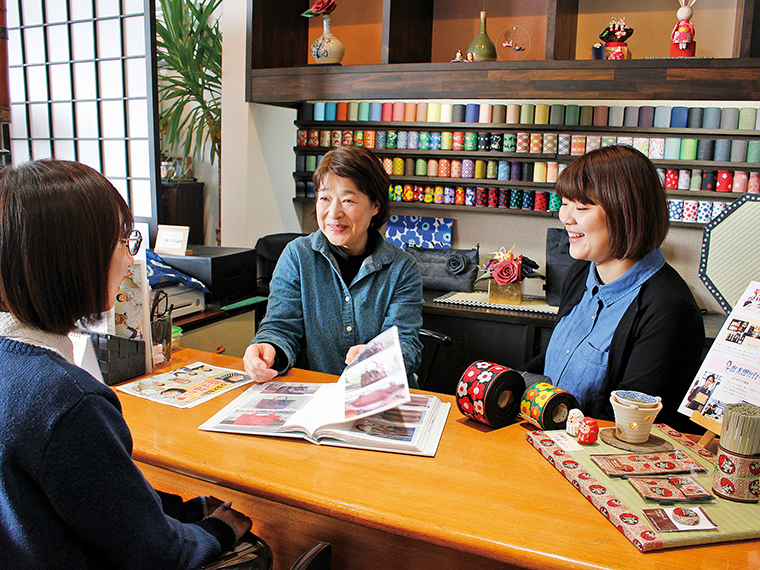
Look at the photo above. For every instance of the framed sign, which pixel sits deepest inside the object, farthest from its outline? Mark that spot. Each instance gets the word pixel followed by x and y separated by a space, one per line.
pixel 171 240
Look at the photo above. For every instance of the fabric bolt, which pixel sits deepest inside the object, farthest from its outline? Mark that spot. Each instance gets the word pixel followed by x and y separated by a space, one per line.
pixel 311 163
pixel 497 142
pixel 586 116
pixel 671 179
pixel 722 152
pixel 656 149
pixel 381 138
pixel 438 195
pixel 688 149
pixel 612 141
pixel 704 212
pixel 421 112
pixel 528 199
pixel 557 115
pixel 413 140
pixel 690 208
pixel 711 117
pixel 729 118
pixel 694 118
pixel 435 141
pixel 336 138
pixel 424 140
pixel 313 139
pixel 541 114
pixel 456 168
pixel 705 149
pixel 484 141
pixel 472 113
pixel 631 116
pixel 402 139
pixel 753 151
pixel 468 168
pixel 503 171
pixel 641 144
pixel 708 180
pixel 628 141
pixel 458 113
pixel 747 118
pixel 306 112
pixel 499 114
pixel 444 168
pixel 300 163
pixel 696 180
pixel 741 179
pixel 515 170
pixel 447 113
pixel 480 169
pixel 739 149
pixel 492 169
pixel 469 196
pixel 409 166
pixel 364 110
pixel 513 114
pixel 679 117
pixel 536 144
pixel 594 142
pixel 420 167
pixel 410 112
pixel 353 111
pixel 554 201
pixel 523 142
pixel 646 116
pixel 662 116
pixel 432 167
pixel 302 137
pixel 388 165
pixel 510 142
pixel 319 111
pixel 399 108
pixel 578 145
pixel 724 181
pixel 552 170
pixel 447 140
pixel 457 140
pixel 448 195
pixel 616 116
pixel 601 115
pixel 550 143
pixel 527 112
pixel 429 195
pixel 470 140
pixel 398 166
pixel 398 193
pixel 572 115
pixel 375 112
pixel 503 197
pixel 408 193
pixel 564 143
pixel 459 195
pixel 675 210
pixel 359 138
pixel 684 178
pixel 485 113
pixel 539 172
pixel 369 139
pixel 391 139
pixel 387 115
pixel 527 171
pixel 717 209
pixel 541 203
pixel 331 110
pixel 515 199
pixel 753 186
pixel 493 197
pixel 434 113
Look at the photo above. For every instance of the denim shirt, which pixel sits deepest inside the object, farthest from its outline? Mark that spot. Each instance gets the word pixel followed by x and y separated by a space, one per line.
pixel 576 358
pixel 314 317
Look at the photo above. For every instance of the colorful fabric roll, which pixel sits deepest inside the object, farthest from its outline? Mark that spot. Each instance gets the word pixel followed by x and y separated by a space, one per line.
pixel 459 196
pixel 410 112
pixel 671 179
pixel 724 181
pixel 408 193
pixel 594 142
pixel 399 107
pixel 679 117
pixel 563 143
pixel 421 112
pixel 481 197
pixel 493 197
pixel 353 110
pixel 503 197
pixel 503 171
pixel 578 145
pixel 572 115
pixel 435 141
pixel 458 140
pixel 690 208
pixel 510 142
pixel 480 168
pixel 696 180
pixel 527 113
pixel 708 182
pixel 641 144
pixel 429 195
pixel 402 139
pixel 541 114
pixel 536 143
pixel 656 149
pixel 492 169
pixel 552 170
pixel 747 118
pixel 313 139
pixel 739 150
pixel 515 170
pixel 444 168
pixel 359 138
pixel 523 142
pixel 612 141
pixel 448 195
pixel 424 140
pixel 447 140
pixel 398 193
pixel 388 165
pixel 391 139
pixel 539 172
pixel 420 167
pixel 541 201
pixel 515 199
pixel 311 163
pixel 472 113
pixel 711 118
pixel 398 166
pixel 586 116
pixel 369 139
pixel 549 143
pixel 413 140
pixel 688 149
pixel 753 151
pixel 741 180
pixel 499 114
pixel 456 168
pixel 557 115
pixel 753 186
pixel 675 210
pixel 336 138
pixel 717 209
pixel 381 138
pixel 469 196
pixel 729 119
pixel 684 177
pixel 387 112
pixel 484 141
pixel 722 151
pixel 672 148
pixel 438 195
pixel 364 110
pixel 554 202
pixel 302 137
pixel 601 115
pixel 468 168
pixel 470 140
pixel 546 406
pixel 375 111
pixel 625 141
pixel 409 166
pixel 497 141
pixel 646 116
pixel 662 116
pixel 319 111
pixel 432 167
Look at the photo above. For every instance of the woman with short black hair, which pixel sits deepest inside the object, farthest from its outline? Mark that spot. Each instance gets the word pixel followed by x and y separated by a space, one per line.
pixel 626 319
pixel 70 494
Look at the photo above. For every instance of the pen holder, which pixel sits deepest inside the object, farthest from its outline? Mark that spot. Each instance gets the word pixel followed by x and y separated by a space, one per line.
pixel 120 359
pixel 161 329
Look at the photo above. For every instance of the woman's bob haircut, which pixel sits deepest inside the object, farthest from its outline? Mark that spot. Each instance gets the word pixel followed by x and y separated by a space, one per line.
pixel 362 167
pixel 626 185
pixel 60 223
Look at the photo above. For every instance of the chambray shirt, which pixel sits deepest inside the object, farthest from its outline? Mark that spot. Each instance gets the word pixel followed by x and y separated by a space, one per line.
pixel 315 317
pixel 576 358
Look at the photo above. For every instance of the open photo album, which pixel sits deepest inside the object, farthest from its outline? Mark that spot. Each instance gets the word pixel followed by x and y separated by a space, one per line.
pixel 369 407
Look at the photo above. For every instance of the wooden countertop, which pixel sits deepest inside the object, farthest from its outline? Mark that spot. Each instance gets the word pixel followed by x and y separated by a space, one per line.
pixel 487 492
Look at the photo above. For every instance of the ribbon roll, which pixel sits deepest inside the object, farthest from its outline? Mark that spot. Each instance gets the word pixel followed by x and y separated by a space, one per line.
pixel 546 406
pixel 490 393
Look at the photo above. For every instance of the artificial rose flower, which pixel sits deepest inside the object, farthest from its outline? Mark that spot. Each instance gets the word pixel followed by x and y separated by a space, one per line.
pixel 320 8
pixel 508 271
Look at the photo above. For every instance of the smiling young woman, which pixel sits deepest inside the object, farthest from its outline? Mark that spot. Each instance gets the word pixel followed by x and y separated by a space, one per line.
pixel 626 320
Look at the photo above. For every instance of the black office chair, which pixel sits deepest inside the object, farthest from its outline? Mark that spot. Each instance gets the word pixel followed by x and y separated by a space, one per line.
pixel 268 251
pixel 318 557
pixel 439 340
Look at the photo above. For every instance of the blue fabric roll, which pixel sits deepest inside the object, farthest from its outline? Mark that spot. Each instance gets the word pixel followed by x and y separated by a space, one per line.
pixel 722 150
pixel 711 118
pixel 662 116
pixel 376 111
pixel 319 111
pixel 331 109
pixel 472 113
pixel 679 117
pixel 672 149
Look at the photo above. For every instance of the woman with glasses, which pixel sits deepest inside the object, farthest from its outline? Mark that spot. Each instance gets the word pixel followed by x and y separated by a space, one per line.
pixel 70 494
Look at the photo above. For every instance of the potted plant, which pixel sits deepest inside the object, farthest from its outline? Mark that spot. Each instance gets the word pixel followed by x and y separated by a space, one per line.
pixel 189 44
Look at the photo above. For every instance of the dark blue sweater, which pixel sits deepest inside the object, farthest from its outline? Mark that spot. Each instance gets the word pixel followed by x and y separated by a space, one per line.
pixel 70 494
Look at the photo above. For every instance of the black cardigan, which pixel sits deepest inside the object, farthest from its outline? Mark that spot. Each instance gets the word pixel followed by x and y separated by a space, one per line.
pixel 657 346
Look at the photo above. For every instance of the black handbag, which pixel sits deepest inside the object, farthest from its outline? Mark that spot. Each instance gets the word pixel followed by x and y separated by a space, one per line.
pixel 447 269
pixel 558 259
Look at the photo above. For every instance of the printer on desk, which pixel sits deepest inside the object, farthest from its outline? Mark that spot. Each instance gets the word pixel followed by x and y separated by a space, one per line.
pixel 228 272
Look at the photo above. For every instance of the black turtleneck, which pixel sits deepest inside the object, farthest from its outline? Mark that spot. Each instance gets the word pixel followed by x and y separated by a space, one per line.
pixel 349 265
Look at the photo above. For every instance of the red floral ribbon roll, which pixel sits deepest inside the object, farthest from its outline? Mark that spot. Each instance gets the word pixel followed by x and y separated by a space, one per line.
pixel 546 406
pixel 490 393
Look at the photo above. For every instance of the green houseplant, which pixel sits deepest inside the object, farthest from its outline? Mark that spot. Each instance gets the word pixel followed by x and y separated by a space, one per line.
pixel 189 45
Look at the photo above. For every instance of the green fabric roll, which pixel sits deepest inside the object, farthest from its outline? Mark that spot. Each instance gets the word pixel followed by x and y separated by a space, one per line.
pixel 688 149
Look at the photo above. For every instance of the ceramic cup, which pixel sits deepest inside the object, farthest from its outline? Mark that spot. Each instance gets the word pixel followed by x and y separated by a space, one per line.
pixel 634 416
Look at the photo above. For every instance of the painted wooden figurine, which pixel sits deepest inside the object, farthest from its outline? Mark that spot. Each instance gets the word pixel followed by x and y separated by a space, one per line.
pixel 682 36
pixel 574 419
pixel 588 431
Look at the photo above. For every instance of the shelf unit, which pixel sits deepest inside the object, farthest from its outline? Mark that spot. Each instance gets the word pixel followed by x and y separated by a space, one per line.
pixel 303 175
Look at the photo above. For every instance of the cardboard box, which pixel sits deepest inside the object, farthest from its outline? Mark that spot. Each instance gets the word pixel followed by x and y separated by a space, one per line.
pixel 229 272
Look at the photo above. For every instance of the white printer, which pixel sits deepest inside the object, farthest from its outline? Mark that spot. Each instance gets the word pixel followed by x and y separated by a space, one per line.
pixel 185 300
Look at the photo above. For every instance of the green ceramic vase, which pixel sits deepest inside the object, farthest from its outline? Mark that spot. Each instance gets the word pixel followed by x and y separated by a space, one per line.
pixel 482 48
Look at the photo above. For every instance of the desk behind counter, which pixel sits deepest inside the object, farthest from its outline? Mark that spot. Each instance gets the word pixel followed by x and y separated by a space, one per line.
pixel 487 500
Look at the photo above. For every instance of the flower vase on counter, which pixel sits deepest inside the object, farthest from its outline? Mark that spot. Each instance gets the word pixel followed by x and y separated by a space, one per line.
pixel 506 273
pixel 482 48
pixel 327 48
pixel 507 294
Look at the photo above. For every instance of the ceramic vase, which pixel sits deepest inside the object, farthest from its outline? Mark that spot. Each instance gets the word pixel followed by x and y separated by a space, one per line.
pixel 508 294
pixel 482 48
pixel 327 48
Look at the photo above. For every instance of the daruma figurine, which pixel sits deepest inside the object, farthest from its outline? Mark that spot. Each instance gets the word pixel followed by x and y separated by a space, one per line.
pixel 588 431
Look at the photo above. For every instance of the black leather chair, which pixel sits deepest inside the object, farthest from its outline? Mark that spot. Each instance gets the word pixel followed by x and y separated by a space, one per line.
pixel 437 340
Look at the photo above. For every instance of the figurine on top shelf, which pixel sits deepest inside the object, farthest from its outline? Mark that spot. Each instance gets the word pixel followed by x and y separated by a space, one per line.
pixel 459 59
pixel 614 37
pixel 682 37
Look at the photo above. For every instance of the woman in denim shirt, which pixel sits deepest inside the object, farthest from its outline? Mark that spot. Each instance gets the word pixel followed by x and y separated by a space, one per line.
pixel 336 289
pixel 626 319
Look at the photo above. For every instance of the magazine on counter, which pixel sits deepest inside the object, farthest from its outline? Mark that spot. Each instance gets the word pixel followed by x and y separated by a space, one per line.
pixel 187 386
pixel 369 407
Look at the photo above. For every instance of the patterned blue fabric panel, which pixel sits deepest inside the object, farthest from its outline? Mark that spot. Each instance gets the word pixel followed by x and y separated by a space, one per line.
pixel 420 231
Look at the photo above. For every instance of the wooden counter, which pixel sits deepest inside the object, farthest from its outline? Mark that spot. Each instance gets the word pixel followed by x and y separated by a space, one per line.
pixel 487 500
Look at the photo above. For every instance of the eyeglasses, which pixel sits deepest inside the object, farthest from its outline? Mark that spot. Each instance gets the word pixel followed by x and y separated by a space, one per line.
pixel 133 242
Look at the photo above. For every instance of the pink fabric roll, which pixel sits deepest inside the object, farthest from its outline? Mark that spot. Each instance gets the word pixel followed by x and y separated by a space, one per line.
pixel 486 112
pixel 513 114
pixel 741 180
pixel 398 111
pixel 387 112
pixel 422 112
